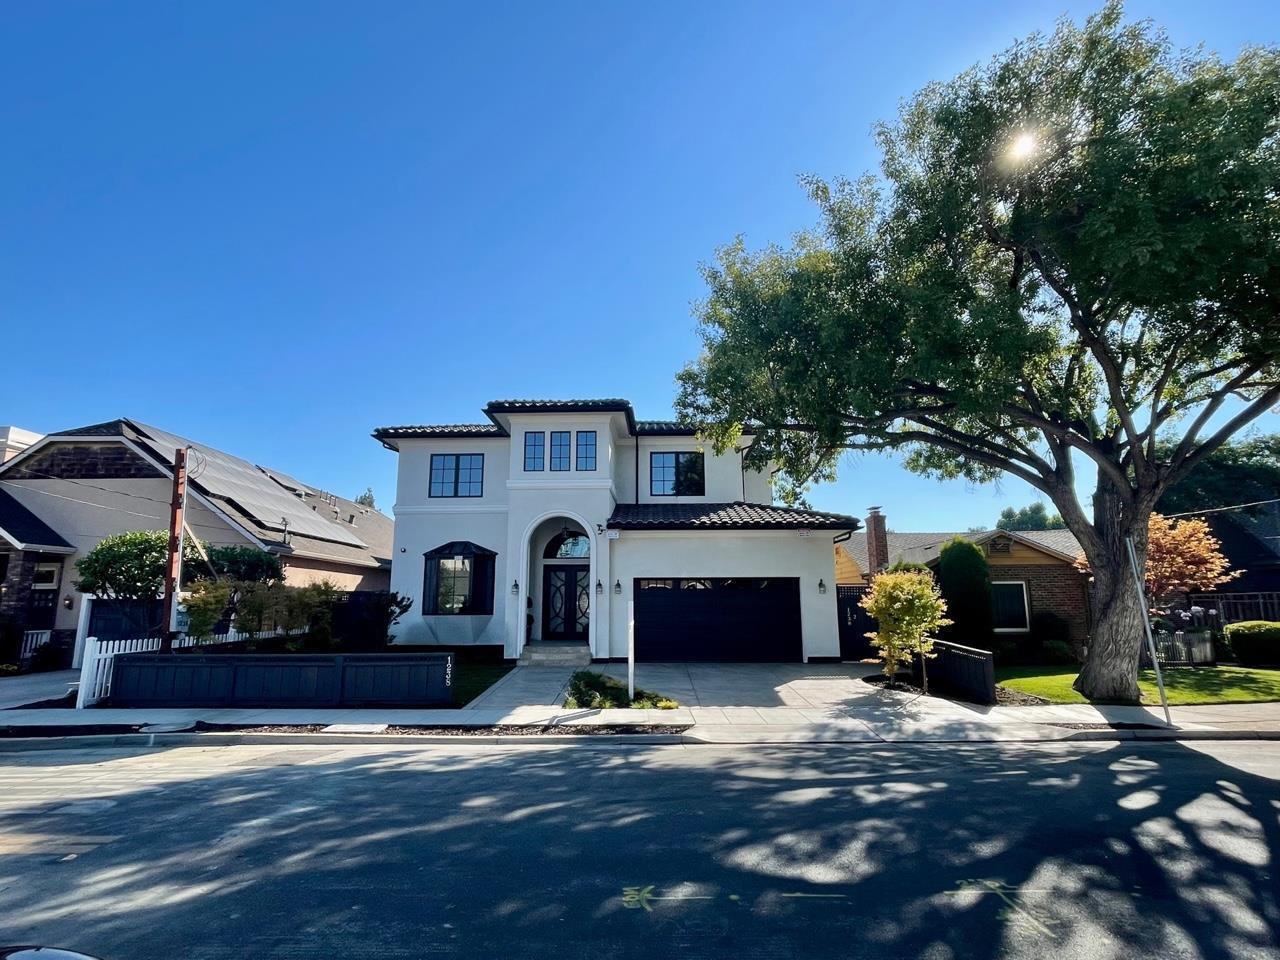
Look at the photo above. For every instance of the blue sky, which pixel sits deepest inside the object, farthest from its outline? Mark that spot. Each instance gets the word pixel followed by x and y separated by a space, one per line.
pixel 274 226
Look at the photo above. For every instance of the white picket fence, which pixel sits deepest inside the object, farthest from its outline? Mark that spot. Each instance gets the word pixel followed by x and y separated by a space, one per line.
pixel 31 641
pixel 95 664
pixel 95 667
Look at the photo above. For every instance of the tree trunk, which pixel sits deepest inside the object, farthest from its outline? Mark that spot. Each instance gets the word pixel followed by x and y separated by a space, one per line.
pixel 1110 671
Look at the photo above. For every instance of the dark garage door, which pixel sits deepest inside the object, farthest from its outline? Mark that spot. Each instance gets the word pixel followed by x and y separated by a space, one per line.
pixel 717 618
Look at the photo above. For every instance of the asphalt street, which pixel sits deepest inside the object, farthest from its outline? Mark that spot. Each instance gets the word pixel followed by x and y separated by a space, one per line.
pixel 1091 850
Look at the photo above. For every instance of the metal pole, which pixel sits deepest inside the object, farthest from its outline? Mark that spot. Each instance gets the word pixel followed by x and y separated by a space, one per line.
pixel 1146 623
pixel 631 650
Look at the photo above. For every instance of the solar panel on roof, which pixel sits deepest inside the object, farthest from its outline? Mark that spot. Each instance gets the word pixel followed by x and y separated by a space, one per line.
pixel 254 492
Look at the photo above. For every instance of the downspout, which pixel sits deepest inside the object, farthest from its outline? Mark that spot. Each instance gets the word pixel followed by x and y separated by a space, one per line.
pixel 637 469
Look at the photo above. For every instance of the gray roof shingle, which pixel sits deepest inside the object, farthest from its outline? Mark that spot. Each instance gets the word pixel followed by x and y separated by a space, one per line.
pixel 925 547
pixel 738 515
pixel 24 529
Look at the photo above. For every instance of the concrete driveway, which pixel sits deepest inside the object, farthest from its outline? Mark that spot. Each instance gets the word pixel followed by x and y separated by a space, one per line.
pixel 715 692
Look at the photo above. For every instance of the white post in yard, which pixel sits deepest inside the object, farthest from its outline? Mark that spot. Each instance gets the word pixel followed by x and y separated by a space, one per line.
pixel 1146 622
pixel 631 650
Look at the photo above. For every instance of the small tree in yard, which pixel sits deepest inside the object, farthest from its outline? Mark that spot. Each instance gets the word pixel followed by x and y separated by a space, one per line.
pixel 908 609
pixel 964 580
pixel 1071 258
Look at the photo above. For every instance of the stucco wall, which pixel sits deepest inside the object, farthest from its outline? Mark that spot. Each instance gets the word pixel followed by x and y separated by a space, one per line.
pixel 301 572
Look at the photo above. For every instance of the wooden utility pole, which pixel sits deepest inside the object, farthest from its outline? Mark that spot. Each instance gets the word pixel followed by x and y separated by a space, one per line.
pixel 173 565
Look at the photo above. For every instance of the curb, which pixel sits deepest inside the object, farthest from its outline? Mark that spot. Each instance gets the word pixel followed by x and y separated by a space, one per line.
pixel 219 739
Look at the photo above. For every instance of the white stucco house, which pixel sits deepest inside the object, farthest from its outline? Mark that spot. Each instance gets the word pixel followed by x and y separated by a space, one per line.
pixel 539 525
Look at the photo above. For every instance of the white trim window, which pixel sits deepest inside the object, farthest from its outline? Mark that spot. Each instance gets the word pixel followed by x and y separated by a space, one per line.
pixel 1010 606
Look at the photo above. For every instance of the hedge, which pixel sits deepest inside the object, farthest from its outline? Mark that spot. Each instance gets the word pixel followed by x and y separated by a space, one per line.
pixel 1255 641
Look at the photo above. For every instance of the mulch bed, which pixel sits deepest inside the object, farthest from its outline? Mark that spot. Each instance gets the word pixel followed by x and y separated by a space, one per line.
pixel 1004 696
pixel 504 730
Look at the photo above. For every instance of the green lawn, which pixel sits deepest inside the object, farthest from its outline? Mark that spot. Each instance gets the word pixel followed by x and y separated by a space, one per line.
pixel 472 679
pixel 1184 685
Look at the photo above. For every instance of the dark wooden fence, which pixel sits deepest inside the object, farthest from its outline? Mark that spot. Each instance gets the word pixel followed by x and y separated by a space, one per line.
pixel 964 672
pixel 854 623
pixel 282 680
pixel 1235 607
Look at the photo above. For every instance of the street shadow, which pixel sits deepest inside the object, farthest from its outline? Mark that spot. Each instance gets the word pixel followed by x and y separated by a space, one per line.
pixel 547 850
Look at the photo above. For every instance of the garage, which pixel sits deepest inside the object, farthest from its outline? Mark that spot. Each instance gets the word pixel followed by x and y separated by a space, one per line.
pixel 755 619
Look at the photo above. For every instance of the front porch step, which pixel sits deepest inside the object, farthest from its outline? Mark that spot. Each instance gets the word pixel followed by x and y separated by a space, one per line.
pixel 555 655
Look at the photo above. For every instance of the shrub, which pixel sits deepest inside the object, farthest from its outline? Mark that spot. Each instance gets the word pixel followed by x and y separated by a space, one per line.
pixel 1255 641
pixel 907 566
pixel 47 656
pixel 907 608
pixel 965 581
pixel 589 690
pixel 1051 639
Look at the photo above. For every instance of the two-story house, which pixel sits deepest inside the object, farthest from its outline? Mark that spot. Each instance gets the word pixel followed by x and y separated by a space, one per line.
pixel 543 524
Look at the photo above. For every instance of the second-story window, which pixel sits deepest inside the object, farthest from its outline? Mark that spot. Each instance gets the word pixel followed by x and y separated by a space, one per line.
pixel 586 458
pixel 535 450
pixel 560 449
pixel 457 475
pixel 676 474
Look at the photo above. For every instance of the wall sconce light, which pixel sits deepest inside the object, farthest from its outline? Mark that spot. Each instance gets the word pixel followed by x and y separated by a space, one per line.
pixel 599 589
pixel 617 588
pixel 68 602
pixel 515 588
pixel 822 586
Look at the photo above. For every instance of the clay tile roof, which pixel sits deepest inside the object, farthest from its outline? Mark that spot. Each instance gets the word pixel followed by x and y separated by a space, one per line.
pixel 725 516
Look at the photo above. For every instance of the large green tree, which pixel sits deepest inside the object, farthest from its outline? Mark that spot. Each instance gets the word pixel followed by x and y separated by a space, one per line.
pixel 1239 472
pixel 1032 517
pixel 1073 252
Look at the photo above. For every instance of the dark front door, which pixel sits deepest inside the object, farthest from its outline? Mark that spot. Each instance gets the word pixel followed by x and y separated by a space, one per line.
pixel 566 601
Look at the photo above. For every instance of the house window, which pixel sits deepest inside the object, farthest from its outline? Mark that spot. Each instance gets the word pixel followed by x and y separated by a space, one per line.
pixel 458 580
pixel 457 475
pixel 535 450
pixel 676 475
pixel 586 450
pixel 560 449
pixel 655 584
pixel 567 545
pixel 1010 608
pixel 45 576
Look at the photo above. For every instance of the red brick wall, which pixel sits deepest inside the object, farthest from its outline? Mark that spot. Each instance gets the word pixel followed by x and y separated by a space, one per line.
pixel 1058 588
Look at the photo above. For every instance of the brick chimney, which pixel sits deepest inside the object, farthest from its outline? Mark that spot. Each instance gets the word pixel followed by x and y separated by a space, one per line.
pixel 877 541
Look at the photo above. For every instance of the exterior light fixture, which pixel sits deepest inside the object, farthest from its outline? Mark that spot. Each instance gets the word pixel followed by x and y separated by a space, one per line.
pixel 599 589
pixel 617 588
pixel 822 586
pixel 515 588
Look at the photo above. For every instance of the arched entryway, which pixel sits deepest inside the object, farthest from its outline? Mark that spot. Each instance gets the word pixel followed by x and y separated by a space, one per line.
pixel 561 594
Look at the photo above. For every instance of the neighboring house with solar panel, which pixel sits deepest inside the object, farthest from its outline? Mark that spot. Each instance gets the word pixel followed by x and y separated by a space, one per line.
pixel 64 493
pixel 540 526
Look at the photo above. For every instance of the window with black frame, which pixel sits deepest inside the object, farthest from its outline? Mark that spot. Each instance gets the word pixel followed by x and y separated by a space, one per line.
pixel 586 456
pixel 560 449
pixel 677 474
pixel 457 475
pixel 535 450
pixel 458 580
pixel 1009 606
